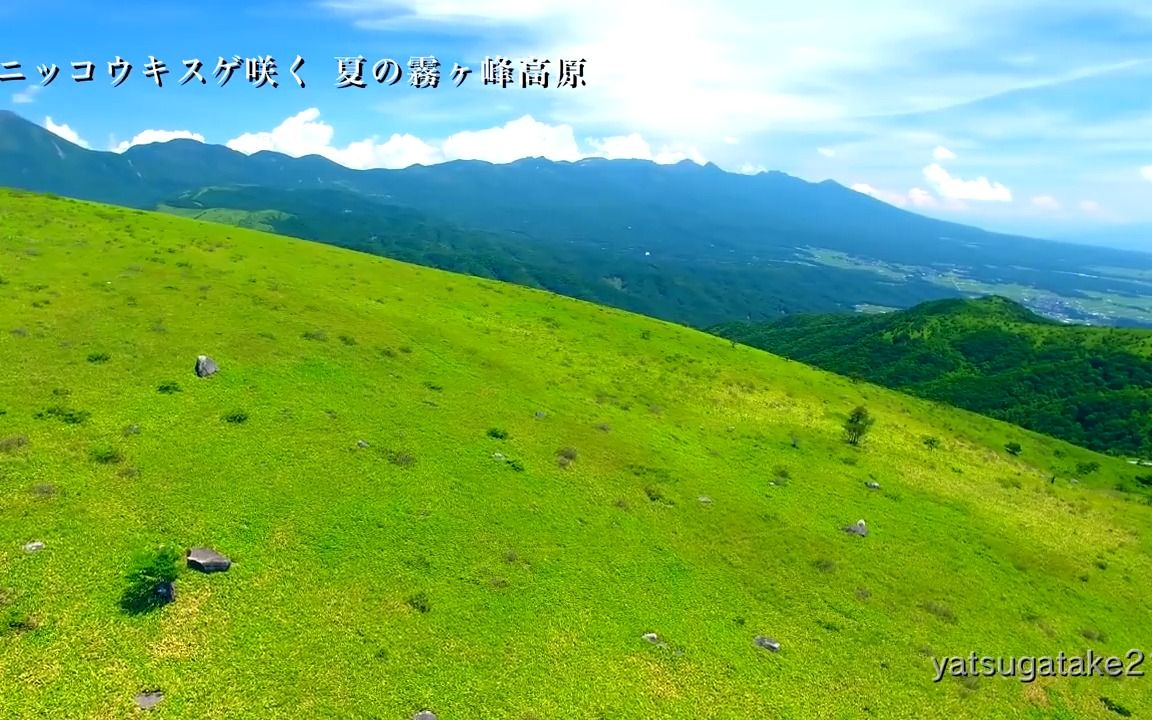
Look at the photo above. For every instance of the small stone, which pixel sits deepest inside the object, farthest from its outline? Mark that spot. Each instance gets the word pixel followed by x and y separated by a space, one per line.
pixel 767 643
pixel 424 715
pixel 540 414
pixel 34 546
pixel 705 499
pixel 148 700
pixel 651 637
pixel 497 456
pixel 859 528
pixel 207 560
pixel 165 592
pixel 872 485
pixel 206 366
pixel 362 444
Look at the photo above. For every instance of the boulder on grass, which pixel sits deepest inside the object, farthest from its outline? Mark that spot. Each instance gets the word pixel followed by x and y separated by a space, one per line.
pixel 206 366
pixel 857 528
pixel 207 560
pixel 767 643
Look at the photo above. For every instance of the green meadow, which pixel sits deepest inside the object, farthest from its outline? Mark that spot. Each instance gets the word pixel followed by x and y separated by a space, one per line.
pixel 447 493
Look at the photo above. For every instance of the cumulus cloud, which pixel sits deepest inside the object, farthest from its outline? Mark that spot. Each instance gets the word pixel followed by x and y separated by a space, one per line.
pixel 1146 172
pixel 1045 202
pixel 826 152
pixel 157 136
pixel 65 132
pixel 751 169
pixel 27 96
pixel 916 198
pixel 981 189
pixel 942 153
pixel 307 134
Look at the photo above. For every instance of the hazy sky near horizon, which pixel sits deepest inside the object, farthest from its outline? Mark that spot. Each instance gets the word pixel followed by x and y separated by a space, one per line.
pixel 1034 115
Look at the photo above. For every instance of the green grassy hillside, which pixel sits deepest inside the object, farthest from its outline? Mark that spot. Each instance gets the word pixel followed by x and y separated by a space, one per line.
pixel 1089 385
pixel 540 482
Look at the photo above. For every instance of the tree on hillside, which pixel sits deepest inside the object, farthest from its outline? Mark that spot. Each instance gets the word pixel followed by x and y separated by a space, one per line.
pixel 857 425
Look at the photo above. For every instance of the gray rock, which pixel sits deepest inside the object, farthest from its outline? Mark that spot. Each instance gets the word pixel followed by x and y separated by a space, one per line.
pixel 424 715
pixel 206 366
pixel 767 643
pixel 858 528
pixel 207 560
pixel 34 546
pixel 497 456
pixel 651 637
pixel 149 699
pixel 165 592
pixel 540 414
pixel 872 485
pixel 705 499
pixel 362 444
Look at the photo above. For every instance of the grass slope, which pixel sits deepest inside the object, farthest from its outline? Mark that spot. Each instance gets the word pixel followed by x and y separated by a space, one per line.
pixel 536 581
pixel 1089 385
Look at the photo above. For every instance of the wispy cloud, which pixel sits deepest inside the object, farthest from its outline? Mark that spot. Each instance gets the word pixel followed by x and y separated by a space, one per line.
pixel 26 96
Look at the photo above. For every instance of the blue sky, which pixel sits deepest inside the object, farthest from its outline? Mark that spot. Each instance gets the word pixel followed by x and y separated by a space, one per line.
pixel 1033 116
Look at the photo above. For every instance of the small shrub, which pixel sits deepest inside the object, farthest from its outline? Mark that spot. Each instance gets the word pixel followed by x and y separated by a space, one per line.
pixel 941 611
pixel 654 493
pixel 146 573
pixel 516 465
pixel 511 557
pixel 567 453
pixel 1013 448
pixel 1115 707
pixel 99 357
pixel 406 349
pixel 317 335
pixel 1093 635
pixel 419 602
pixel 863 593
pixel 497 433
pixel 824 565
pixel 1087 468
pixel 12 444
pixel 61 392
pixel 433 386
pixel 931 442
pixel 348 340
pixel 604 427
pixel 64 414
pixel 401 459
pixel 105 455
pixel 236 417
pixel 857 425
pixel 169 387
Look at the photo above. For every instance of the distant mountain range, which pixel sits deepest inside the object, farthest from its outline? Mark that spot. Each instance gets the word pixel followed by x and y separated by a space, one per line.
pixel 687 243
pixel 1090 386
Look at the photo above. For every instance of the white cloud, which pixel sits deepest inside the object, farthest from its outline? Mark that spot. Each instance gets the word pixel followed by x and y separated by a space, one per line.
pixel 826 152
pixel 892 198
pixel 636 147
pixel 942 153
pixel 157 136
pixel 28 96
pixel 523 137
pixel 751 169
pixel 1146 172
pixel 306 134
pixel 1045 202
pixel 65 132
pixel 756 65
pixel 921 198
pixel 954 188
